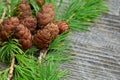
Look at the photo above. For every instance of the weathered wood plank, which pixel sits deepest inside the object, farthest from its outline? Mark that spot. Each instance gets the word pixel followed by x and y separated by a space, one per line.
pixel 98 51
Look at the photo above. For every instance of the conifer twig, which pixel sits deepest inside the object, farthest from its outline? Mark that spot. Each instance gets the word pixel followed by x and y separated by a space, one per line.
pixel 9 6
pixel 42 55
pixel 3 15
pixel 11 69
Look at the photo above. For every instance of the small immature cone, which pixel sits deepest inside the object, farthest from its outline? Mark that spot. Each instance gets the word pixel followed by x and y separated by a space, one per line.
pixel 23 10
pixel 42 39
pixel 62 25
pixel 30 22
pixel 7 27
pixel 46 14
pixel 53 28
pixel 24 36
pixel 45 36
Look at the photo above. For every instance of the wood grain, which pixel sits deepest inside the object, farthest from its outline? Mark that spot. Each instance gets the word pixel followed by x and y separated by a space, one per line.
pixel 98 50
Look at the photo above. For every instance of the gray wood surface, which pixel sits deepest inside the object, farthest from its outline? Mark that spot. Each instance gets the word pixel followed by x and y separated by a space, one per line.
pixel 97 51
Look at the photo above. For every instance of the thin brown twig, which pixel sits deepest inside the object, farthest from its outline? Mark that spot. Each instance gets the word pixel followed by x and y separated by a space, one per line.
pixel 42 55
pixel 3 15
pixel 8 1
pixel 9 6
pixel 11 69
pixel 45 52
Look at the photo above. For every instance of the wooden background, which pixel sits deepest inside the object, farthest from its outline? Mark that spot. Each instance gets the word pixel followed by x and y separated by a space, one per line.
pixel 97 51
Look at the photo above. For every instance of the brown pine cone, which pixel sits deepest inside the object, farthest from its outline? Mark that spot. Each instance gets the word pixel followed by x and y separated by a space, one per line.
pixel 30 23
pixel 45 36
pixel 54 30
pixel 23 10
pixel 62 25
pixel 8 26
pixel 46 14
pixel 24 36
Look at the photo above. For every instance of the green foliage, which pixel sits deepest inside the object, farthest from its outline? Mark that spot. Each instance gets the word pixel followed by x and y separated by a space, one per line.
pixel 23 73
pixel 2 6
pixel 59 48
pixel 9 7
pixel 26 68
pixel 78 25
pixel 57 53
pixel 58 5
pixel 4 74
pixel 31 50
pixel 51 71
pixel 29 69
pixel 35 6
pixel 12 7
pixel 60 41
pixel 80 13
pixel 9 49
pixel 50 1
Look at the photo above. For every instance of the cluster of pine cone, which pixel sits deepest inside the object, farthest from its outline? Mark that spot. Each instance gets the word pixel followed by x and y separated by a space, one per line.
pixel 40 30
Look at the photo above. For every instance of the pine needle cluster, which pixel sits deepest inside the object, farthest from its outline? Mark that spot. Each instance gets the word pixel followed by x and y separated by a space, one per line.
pixel 79 14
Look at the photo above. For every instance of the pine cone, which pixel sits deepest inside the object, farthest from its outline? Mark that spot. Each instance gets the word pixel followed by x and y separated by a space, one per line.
pixel 54 30
pixel 24 36
pixel 23 10
pixel 45 36
pixel 46 14
pixel 30 23
pixel 8 26
pixel 63 26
